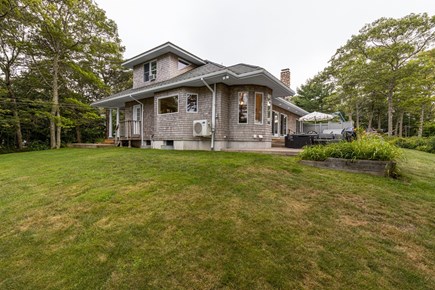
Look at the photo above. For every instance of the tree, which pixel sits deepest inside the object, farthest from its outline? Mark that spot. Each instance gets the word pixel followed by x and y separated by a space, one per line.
pixel 311 96
pixel 419 86
pixel 384 48
pixel 67 34
pixel 13 40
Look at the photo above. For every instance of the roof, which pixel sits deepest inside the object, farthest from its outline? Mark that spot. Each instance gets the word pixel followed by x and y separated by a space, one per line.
pixel 207 71
pixel 289 106
pixel 159 50
pixel 240 74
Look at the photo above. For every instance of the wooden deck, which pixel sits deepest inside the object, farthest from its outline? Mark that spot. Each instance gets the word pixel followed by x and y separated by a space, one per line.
pixel 89 145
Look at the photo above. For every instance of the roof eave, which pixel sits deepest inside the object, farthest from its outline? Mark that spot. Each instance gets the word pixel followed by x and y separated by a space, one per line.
pixel 130 63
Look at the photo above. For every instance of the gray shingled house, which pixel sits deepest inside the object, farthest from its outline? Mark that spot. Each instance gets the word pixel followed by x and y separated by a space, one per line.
pixel 181 101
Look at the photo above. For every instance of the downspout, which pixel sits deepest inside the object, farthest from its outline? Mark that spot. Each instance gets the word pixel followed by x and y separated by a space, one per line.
pixel 141 121
pixel 213 113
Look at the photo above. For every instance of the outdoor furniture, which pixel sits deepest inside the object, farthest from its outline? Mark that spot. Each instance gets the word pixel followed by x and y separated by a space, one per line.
pixel 298 140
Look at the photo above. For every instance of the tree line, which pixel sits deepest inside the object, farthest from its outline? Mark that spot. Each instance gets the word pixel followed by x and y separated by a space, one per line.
pixel 56 57
pixel 383 77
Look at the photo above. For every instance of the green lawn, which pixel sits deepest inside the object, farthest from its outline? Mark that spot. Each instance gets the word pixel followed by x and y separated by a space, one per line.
pixel 123 218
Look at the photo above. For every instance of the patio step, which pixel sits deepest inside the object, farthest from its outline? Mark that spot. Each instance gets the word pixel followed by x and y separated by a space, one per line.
pixel 109 141
pixel 278 142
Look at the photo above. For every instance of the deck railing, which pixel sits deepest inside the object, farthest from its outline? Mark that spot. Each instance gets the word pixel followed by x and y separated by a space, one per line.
pixel 129 129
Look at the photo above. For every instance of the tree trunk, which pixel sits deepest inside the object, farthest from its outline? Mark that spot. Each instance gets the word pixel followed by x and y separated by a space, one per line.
pixel 420 126
pixel 17 125
pixel 396 128
pixel 78 134
pixel 379 121
pixel 58 129
pixel 370 119
pixel 55 113
pixel 357 115
pixel 401 124
pixel 17 122
pixel 390 112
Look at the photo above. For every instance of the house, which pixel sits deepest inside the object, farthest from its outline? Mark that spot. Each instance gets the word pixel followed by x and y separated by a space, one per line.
pixel 181 101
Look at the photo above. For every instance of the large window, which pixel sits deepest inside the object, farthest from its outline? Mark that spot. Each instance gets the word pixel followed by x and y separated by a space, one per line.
pixel 243 107
pixel 269 109
pixel 258 108
pixel 168 105
pixel 150 71
pixel 192 103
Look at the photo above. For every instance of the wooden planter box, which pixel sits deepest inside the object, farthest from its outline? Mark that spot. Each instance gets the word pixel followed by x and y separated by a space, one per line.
pixel 379 168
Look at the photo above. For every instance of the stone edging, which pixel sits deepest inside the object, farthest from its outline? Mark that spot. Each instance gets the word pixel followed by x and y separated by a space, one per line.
pixel 374 167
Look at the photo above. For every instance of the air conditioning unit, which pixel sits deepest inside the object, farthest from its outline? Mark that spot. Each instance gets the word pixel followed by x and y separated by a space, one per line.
pixel 201 128
pixel 152 77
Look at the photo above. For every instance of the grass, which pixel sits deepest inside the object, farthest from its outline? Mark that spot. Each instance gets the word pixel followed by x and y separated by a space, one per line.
pixel 123 218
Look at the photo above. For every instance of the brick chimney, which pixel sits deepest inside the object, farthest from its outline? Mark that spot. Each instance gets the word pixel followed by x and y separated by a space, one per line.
pixel 285 76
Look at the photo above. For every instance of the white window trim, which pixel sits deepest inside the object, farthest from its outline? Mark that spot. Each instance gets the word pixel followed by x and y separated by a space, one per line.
pixel 185 61
pixel 255 108
pixel 149 62
pixel 278 125
pixel 286 124
pixel 197 102
pixel 158 105
pixel 238 109
pixel 269 118
pixel 136 129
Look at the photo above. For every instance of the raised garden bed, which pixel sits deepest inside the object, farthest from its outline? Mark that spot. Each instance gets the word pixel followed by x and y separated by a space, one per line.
pixel 374 167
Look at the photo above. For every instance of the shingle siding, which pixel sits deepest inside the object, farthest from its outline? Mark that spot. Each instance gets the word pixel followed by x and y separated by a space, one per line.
pixel 179 126
pixel 167 68
pixel 245 132
pixel 291 118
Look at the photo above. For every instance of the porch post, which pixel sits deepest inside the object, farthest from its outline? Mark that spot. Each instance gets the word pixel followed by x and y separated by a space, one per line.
pixel 110 124
pixel 117 124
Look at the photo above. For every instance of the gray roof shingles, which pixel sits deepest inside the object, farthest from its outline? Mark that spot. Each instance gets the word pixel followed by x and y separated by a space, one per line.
pixel 199 71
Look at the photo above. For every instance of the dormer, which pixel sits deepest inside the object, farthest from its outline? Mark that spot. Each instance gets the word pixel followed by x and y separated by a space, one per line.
pixel 161 63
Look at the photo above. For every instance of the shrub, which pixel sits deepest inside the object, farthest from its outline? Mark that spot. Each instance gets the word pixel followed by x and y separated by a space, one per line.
pixel 366 148
pixel 417 143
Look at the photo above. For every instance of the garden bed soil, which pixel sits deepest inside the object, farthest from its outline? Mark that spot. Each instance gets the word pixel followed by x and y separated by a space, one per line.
pixel 374 167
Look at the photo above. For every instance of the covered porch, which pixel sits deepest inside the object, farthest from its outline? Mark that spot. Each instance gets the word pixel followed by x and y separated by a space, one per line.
pixel 119 128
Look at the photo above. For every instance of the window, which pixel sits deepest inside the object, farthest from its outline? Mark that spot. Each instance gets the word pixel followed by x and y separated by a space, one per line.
pixel 168 105
pixel 192 103
pixel 269 109
pixel 149 69
pixel 258 108
pixel 283 124
pixel 243 108
pixel 182 63
pixel 275 123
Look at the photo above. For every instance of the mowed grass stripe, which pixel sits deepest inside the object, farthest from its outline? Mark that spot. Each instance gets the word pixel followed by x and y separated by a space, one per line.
pixel 122 218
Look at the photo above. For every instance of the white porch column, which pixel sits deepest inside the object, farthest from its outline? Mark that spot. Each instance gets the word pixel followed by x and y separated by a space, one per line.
pixel 117 124
pixel 110 124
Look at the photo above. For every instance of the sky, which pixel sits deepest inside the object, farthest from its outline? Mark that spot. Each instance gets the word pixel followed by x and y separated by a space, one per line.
pixel 298 34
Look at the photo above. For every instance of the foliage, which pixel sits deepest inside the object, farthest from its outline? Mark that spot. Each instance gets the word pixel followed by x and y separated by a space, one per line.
pixel 367 148
pixel 380 69
pixel 312 95
pixel 56 57
pixel 417 143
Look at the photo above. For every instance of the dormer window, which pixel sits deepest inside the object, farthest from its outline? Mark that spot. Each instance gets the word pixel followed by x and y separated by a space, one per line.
pixel 150 71
pixel 182 64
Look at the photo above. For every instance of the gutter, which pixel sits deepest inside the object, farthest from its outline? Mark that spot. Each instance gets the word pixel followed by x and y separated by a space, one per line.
pixel 213 112
pixel 200 78
pixel 141 121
